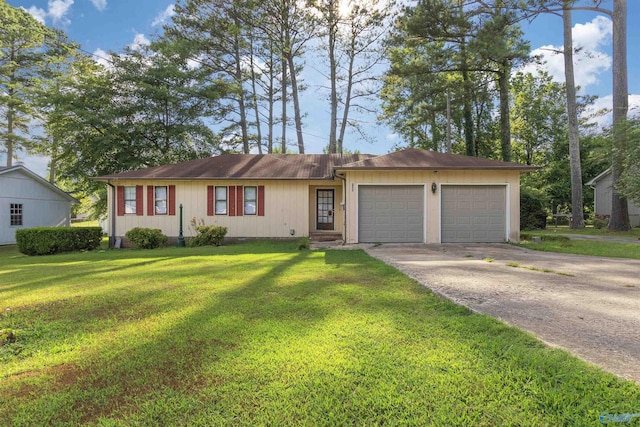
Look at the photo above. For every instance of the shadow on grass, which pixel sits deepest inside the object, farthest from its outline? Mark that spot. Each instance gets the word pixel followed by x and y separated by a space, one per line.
pixel 378 348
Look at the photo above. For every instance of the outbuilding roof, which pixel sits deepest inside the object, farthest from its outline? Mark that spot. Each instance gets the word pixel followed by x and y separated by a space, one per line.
pixel 309 166
pixel 24 171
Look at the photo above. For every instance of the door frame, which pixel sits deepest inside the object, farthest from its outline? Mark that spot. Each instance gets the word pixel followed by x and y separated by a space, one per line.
pixel 333 208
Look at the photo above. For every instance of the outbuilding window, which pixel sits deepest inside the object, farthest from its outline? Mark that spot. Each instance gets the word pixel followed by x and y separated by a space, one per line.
pixel 15 213
pixel 221 200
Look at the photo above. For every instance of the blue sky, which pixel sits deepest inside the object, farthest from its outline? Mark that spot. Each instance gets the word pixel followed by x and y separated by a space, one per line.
pixel 100 26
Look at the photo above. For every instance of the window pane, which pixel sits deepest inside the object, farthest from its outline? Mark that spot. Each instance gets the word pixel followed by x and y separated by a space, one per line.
pixel 161 200
pixel 129 193
pixel 250 200
pixel 221 207
pixel 129 200
pixel 161 207
pixel 221 193
pixel 249 208
pixel 250 193
pixel 15 214
pixel 161 193
pixel 221 200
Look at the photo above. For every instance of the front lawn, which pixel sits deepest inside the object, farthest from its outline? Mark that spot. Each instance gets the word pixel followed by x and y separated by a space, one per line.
pixel 556 242
pixel 264 334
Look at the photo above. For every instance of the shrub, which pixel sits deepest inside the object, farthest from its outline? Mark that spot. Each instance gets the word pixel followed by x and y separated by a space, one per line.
pixel 532 213
pixel 146 238
pixel 303 243
pixel 601 221
pixel 208 235
pixel 52 240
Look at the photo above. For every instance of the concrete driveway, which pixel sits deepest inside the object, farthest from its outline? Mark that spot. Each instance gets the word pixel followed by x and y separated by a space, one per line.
pixel 589 306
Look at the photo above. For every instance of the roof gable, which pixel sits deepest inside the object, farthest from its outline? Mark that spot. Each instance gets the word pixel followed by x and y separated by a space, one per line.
pixel 24 171
pixel 412 158
pixel 598 178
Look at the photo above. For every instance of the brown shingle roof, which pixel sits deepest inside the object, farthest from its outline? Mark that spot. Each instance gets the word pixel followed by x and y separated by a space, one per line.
pixel 412 158
pixel 247 166
pixel 310 166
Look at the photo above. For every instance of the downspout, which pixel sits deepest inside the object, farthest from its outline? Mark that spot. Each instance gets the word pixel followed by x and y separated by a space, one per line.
pixel 344 205
pixel 112 238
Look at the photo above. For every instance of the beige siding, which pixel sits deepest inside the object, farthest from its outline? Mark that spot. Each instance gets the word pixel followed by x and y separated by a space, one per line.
pixel 287 207
pixel 509 178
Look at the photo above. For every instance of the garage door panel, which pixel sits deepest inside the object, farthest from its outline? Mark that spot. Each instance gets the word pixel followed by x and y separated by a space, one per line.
pixel 473 213
pixel 390 213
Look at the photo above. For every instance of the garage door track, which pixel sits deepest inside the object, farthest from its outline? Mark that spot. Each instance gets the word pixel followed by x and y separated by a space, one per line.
pixel 589 306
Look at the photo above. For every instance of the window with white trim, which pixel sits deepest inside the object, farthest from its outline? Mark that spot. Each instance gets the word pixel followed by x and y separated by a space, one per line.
pixel 160 200
pixel 250 200
pixel 130 200
pixel 15 213
pixel 221 201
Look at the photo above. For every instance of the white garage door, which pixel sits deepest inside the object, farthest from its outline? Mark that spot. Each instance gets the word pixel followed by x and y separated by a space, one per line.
pixel 473 213
pixel 390 213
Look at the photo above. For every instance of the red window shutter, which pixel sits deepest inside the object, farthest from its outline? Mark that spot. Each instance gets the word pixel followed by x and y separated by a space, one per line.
pixel 260 200
pixel 239 201
pixel 120 200
pixel 151 200
pixel 232 200
pixel 139 200
pixel 210 200
pixel 172 200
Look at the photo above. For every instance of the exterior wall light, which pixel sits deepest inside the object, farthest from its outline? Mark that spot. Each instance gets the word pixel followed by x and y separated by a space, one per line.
pixel 434 187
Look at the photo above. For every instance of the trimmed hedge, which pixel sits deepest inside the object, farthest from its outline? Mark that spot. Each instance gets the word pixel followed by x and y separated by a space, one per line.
pixel 53 240
pixel 146 238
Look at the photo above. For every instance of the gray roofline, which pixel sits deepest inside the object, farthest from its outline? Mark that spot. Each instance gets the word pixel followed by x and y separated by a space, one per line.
pixel 39 179
pixel 595 180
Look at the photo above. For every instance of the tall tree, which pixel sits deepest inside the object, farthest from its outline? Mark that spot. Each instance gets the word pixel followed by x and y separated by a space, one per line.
pixel 22 40
pixel 577 207
pixel 619 220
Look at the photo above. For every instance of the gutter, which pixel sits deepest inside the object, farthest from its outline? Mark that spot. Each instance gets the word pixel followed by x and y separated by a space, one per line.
pixel 344 205
pixel 112 216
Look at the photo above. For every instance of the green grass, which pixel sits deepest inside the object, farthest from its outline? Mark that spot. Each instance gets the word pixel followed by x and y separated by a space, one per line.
pixel 265 334
pixel 589 231
pixel 555 243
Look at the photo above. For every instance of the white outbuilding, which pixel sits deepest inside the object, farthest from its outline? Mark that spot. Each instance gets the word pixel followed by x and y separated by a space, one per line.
pixel 27 200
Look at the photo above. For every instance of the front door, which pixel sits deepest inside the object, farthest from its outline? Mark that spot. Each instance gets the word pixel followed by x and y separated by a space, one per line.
pixel 325 210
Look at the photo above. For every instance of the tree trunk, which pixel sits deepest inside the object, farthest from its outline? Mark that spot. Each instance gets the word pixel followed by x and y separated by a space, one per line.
pixel 505 123
pixel 241 105
pixel 619 220
pixel 296 103
pixel 333 76
pixel 468 110
pixel 254 95
pixel 347 98
pixel 577 215
pixel 284 107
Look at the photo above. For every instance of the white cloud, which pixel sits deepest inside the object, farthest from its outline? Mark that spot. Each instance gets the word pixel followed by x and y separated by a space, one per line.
pixel 589 60
pixel 58 10
pixel 39 14
pixel 100 4
pixel 139 41
pixel 605 103
pixel 164 15
pixel 102 58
